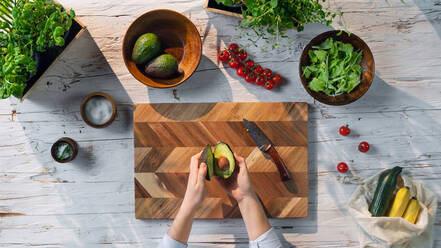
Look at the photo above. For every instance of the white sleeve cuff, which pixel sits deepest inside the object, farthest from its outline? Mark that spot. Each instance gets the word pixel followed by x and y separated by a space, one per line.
pixel 168 242
pixel 267 240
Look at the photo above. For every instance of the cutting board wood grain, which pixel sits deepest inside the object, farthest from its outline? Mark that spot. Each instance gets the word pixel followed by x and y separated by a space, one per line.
pixel 168 134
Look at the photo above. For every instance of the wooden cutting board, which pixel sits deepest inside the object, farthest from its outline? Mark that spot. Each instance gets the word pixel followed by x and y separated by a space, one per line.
pixel 167 135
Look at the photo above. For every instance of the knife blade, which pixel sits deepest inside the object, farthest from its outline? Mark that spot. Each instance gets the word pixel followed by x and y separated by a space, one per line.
pixel 265 145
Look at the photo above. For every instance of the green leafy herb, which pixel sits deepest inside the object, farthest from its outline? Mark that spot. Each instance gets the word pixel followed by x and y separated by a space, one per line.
pixel 335 67
pixel 280 15
pixel 27 27
pixel 229 2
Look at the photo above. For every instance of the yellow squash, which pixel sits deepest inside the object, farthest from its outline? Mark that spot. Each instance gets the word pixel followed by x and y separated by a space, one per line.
pixel 412 211
pixel 400 203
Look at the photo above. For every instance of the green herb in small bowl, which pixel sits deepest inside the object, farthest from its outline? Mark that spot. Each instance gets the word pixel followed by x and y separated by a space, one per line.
pixel 336 67
pixel 64 150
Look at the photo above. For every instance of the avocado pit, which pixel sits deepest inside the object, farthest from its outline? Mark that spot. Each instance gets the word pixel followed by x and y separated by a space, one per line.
pixel 223 163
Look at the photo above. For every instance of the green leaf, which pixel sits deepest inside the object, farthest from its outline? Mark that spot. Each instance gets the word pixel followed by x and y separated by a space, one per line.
pixel 273 3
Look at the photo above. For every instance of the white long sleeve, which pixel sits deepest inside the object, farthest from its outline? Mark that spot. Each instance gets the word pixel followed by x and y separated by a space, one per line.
pixel 266 240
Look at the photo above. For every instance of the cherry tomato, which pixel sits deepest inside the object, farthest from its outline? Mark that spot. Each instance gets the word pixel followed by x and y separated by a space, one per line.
pixel 269 85
pixel 260 80
pixel 241 72
pixel 243 54
pixel 234 63
pixel 363 146
pixel 267 72
pixel 250 63
pixel 258 69
pixel 344 130
pixel 223 55
pixel 250 77
pixel 342 167
pixel 276 79
pixel 233 48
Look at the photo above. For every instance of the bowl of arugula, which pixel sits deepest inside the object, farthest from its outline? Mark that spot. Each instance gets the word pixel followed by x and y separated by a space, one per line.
pixel 336 67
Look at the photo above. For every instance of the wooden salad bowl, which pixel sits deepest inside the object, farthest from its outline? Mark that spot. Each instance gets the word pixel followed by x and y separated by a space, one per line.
pixel 179 37
pixel 367 62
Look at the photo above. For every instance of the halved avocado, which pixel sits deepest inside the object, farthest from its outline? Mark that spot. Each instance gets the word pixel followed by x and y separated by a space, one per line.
pixel 207 158
pixel 224 161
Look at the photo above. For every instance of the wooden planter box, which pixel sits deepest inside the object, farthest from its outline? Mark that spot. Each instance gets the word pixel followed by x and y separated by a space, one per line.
pixel 212 6
pixel 49 58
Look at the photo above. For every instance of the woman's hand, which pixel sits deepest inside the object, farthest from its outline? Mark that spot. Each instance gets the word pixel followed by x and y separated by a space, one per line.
pixel 239 185
pixel 195 193
pixel 194 196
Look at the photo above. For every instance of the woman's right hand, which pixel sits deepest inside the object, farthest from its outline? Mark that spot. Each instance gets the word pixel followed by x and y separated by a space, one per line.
pixel 239 185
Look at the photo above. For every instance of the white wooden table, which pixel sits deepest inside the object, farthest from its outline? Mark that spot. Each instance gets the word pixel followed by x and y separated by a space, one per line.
pixel 89 202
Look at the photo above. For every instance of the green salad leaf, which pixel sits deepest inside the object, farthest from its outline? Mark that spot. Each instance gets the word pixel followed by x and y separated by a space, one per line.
pixel 335 67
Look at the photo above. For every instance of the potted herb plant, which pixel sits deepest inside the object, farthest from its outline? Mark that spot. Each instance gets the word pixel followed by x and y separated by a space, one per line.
pixel 277 16
pixel 28 29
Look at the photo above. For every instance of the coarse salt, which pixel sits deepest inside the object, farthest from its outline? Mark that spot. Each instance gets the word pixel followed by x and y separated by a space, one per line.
pixel 98 110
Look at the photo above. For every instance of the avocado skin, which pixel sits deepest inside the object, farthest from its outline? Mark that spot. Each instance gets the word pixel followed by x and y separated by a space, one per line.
pixel 163 66
pixel 147 46
pixel 223 150
pixel 207 158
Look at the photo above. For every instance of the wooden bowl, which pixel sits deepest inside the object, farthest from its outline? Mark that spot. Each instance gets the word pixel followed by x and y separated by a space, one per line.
pixel 83 112
pixel 367 63
pixel 179 37
pixel 69 141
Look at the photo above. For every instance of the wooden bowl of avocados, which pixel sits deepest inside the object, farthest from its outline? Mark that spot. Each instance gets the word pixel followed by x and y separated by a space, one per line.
pixel 367 63
pixel 178 37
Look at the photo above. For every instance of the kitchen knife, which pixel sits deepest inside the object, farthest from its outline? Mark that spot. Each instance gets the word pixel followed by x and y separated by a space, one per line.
pixel 264 144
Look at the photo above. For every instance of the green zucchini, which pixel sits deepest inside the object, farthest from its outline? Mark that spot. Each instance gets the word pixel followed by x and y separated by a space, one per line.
pixel 384 192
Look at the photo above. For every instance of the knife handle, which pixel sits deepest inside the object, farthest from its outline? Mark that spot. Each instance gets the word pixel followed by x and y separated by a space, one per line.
pixel 281 166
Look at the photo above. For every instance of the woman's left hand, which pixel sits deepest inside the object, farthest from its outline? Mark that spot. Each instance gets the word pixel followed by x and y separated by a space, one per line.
pixel 195 193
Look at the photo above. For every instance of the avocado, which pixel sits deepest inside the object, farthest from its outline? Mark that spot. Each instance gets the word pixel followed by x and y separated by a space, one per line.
pixel 207 158
pixel 224 162
pixel 147 46
pixel 163 66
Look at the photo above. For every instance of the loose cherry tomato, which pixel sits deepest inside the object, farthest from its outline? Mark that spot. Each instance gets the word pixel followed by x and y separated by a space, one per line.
pixel 267 72
pixel 223 55
pixel 250 63
pixel 363 146
pixel 250 77
pixel 234 63
pixel 241 72
pixel 243 54
pixel 260 80
pixel 233 48
pixel 342 167
pixel 269 85
pixel 276 79
pixel 344 130
pixel 258 69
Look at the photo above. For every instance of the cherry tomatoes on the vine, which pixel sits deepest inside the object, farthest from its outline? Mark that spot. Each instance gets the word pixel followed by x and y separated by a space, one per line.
pixel 250 63
pixel 269 85
pixel 234 48
pixel 223 55
pixel 250 77
pixel 241 72
pixel 258 69
pixel 243 54
pixel 260 80
pixel 267 72
pixel 234 63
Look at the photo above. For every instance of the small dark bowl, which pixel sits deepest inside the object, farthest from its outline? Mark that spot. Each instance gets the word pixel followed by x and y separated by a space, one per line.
pixel 367 63
pixel 83 112
pixel 72 143
pixel 179 37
